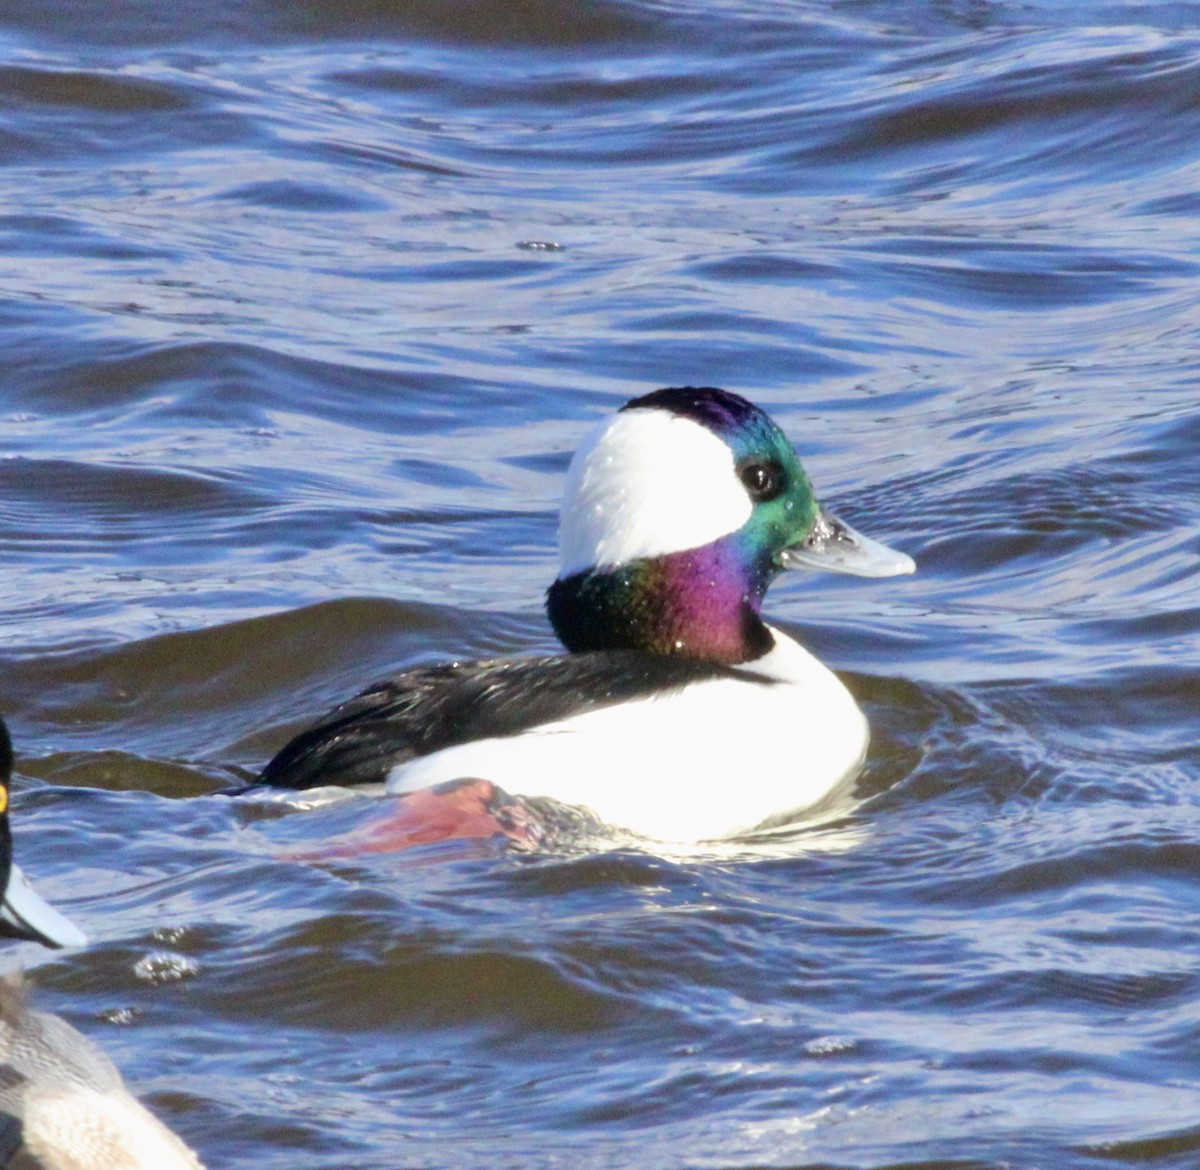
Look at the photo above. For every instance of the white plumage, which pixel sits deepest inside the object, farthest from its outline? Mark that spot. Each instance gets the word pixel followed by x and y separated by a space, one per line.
pixel 710 760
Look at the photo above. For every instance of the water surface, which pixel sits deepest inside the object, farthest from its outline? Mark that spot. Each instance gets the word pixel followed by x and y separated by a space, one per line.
pixel 303 313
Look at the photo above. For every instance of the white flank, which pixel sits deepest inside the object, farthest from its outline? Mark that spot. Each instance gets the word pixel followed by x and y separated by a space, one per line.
pixel 78 1128
pixel 644 483
pixel 708 761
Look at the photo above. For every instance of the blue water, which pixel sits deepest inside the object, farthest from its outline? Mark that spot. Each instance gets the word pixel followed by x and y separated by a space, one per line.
pixel 302 311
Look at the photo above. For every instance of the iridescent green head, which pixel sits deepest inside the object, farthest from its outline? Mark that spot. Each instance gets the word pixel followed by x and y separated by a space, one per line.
pixel 677 514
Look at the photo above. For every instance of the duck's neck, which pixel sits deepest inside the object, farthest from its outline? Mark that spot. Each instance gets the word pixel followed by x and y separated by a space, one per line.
pixel 700 603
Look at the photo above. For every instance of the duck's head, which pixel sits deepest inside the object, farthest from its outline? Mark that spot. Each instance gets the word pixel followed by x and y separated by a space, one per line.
pixel 677 514
pixel 23 913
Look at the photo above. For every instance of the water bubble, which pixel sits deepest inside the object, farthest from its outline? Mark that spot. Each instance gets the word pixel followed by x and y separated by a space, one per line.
pixel 165 967
pixel 170 935
pixel 122 1016
pixel 828 1046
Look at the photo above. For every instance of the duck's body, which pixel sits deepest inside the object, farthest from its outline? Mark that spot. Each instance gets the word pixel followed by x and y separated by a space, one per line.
pixel 63 1105
pixel 626 734
pixel 678 713
pixel 642 763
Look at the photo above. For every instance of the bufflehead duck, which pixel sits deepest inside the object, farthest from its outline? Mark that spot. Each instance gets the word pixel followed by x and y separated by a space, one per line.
pixel 63 1104
pixel 677 713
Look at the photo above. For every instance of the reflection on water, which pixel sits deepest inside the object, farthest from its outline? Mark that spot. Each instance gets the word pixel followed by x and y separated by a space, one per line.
pixel 304 311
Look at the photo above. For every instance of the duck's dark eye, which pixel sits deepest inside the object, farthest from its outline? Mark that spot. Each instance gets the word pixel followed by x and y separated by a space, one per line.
pixel 762 479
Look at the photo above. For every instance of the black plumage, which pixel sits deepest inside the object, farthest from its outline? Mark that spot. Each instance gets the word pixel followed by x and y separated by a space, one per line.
pixel 430 708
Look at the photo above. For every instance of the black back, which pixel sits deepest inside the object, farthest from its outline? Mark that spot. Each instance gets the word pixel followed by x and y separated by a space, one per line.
pixel 432 707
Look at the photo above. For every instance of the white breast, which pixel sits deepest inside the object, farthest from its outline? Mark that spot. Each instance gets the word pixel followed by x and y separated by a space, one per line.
pixel 711 760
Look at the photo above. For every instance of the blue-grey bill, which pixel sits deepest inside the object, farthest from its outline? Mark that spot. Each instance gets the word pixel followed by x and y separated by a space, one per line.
pixel 26 915
pixel 833 544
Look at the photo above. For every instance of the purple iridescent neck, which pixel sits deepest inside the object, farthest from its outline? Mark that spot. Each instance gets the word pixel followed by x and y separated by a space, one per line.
pixel 699 603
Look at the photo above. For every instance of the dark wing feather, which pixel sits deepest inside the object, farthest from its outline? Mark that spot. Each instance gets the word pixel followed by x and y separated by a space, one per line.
pixel 433 707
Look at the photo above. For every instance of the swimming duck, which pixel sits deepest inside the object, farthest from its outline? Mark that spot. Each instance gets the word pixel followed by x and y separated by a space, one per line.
pixel 23 913
pixel 63 1105
pixel 677 713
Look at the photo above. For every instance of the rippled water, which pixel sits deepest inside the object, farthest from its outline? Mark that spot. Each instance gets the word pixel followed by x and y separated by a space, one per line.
pixel 303 310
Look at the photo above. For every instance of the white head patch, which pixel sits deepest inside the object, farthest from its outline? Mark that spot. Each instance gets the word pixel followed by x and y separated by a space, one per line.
pixel 644 483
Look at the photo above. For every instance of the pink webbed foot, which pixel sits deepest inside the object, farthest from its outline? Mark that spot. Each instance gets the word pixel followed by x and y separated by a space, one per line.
pixel 457 810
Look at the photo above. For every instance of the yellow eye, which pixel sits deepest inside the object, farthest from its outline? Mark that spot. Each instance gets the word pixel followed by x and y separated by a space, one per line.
pixel 3 800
